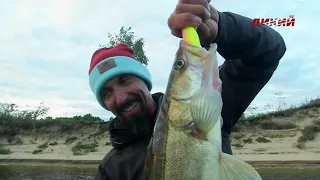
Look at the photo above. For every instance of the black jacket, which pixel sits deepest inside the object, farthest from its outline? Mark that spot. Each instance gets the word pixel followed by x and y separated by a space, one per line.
pixel 252 55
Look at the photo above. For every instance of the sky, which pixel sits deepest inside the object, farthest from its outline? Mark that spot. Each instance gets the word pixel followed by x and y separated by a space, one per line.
pixel 46 47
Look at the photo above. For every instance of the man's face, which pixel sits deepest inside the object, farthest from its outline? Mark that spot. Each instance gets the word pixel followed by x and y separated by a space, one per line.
pixel 127 97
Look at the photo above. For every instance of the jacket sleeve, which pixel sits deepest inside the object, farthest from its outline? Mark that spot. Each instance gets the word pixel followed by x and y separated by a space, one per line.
pixel 251 57
pixel 102 173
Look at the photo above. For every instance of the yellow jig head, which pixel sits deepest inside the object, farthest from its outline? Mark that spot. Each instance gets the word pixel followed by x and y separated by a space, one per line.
pixel 190 35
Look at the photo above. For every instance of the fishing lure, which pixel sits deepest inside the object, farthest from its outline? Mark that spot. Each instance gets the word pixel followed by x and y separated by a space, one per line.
pixel 190 35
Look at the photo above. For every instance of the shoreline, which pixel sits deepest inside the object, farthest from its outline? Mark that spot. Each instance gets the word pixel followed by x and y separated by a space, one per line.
pixel 95 162
pixel 293 167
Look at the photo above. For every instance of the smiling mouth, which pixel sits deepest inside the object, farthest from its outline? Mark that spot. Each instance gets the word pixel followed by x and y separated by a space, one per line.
pixel 130 107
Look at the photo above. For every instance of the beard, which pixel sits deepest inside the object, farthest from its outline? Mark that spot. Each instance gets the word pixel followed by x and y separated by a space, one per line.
pixel 141 123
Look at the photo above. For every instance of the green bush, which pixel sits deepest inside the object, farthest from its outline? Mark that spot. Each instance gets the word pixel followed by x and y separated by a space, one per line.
pixel 37 151
pixel 5 151
pixel 262 140
pixel 43 146
pixel 270 125
pixel 82 149
pixel 70 140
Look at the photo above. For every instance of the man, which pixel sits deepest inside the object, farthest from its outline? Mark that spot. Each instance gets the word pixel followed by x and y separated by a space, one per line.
pixel 122 85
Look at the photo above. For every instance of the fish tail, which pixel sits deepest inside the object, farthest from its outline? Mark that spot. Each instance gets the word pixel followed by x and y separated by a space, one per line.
pixel 232 167
pixel 206 106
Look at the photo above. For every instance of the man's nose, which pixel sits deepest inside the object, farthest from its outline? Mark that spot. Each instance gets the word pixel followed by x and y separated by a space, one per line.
pixel 120 96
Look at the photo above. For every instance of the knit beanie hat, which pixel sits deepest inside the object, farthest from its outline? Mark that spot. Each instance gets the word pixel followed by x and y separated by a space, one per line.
pixel 106 63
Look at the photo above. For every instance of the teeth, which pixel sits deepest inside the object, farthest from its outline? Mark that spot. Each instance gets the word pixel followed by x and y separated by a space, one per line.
pixel 130 107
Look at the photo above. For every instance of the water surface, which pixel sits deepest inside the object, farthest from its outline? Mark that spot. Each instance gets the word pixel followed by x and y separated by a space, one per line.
pixel 19 171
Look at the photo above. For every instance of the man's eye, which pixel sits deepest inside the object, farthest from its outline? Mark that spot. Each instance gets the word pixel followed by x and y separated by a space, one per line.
pixel 106 94
pixel 125 80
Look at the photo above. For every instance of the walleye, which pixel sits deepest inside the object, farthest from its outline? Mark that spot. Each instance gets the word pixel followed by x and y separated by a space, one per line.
pixel 186 143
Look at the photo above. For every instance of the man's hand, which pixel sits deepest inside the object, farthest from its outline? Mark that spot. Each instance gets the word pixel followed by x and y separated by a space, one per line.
pixel 195 13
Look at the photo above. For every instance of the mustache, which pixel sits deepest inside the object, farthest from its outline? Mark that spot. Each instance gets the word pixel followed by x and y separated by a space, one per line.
pixel 128 102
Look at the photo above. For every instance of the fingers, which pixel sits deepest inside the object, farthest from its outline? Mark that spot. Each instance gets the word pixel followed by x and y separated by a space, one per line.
pixel 199 2
pixel 212 27
pixel 178 21
pixel 189 13
pixel 207 31
pixel 194 13
pixel 203 32
pixel 177 33
pixel 196 10
pixel 214 14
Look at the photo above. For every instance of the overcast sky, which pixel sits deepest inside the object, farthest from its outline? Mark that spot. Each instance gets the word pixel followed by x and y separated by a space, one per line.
pixel 46 48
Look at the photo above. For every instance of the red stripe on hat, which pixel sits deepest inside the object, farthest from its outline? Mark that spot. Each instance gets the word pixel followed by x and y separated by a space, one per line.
pixel 104 53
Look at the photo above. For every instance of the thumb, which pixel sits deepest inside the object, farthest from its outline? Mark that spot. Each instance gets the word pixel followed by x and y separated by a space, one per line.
pixel 203 32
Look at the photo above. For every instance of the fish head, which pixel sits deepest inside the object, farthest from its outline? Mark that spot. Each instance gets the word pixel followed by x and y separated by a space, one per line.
pixel 186 77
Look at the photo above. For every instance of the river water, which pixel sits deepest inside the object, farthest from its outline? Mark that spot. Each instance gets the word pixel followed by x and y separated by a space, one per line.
pixel 87 172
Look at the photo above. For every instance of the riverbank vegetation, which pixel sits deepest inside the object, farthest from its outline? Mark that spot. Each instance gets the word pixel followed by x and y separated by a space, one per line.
pixel 85 134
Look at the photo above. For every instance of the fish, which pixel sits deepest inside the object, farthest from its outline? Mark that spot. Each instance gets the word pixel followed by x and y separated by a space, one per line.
pixel 186 142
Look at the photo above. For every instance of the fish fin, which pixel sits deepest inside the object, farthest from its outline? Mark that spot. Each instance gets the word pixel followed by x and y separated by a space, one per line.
pixel 232 167
pixel 206 106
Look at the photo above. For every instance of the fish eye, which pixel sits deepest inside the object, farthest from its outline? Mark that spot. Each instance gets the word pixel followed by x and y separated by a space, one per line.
pixel 179 64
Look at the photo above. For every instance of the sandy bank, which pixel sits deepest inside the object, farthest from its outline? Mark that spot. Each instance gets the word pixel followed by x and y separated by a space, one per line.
pixel 93 159
pixel 291 140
